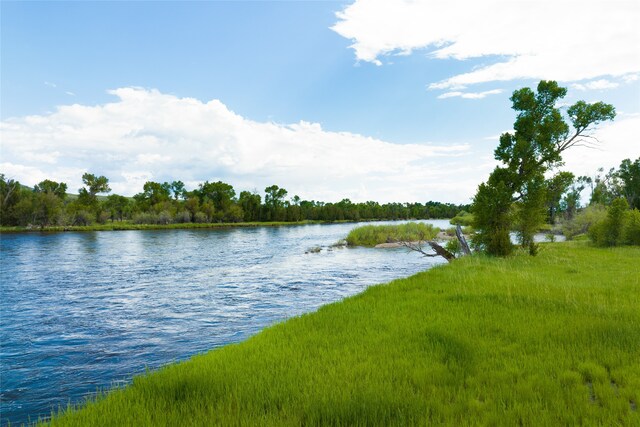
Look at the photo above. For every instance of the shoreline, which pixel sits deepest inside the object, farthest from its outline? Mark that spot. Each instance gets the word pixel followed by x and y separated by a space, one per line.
pixel 126 226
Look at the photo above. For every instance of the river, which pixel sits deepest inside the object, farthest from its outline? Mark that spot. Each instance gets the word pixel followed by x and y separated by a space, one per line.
pixel 82 311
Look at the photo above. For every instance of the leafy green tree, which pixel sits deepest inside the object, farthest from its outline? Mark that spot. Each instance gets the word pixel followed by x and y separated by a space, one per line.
pixel 250 204
pixel 154 193
pixel 179 192
pixel 219 193
pixel 629 175
pixel 558 185
pixel 58 189
pixel 117 206
pixel 94 185
pixel 10 196
pixel 275 200
pixel 47 208
pixel 540 135
pixel 274 197
pixel 610 232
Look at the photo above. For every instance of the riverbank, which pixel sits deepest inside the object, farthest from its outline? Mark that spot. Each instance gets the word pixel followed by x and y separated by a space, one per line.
pixel 126 225
pixel 546 340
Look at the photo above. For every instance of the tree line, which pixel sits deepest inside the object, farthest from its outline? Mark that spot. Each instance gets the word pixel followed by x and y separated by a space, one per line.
pixel 49 204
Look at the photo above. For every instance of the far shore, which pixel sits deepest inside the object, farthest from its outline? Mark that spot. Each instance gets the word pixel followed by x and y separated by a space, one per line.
pixel 122 226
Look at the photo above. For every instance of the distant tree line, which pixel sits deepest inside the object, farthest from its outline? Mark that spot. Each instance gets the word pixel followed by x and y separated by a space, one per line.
pixel 49 204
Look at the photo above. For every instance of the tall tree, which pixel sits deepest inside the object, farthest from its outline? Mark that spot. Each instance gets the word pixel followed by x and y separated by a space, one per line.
pixel 541 134
pixel 629 175
pixel 94 185
pixel 58 189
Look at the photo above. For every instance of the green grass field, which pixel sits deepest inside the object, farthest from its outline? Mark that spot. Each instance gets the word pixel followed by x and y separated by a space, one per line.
pixel 546 340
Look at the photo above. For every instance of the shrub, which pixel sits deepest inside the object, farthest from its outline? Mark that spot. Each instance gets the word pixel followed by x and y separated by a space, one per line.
pixel 632 228
pixel 163 218
pixel 583 221
pixel 183 217
pixel 83 218
pixel 463 218
pixel 144 218
pixel 200 217
pixel 611 230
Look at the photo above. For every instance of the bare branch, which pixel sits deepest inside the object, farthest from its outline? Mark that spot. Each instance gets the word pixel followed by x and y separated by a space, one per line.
pixel 439 250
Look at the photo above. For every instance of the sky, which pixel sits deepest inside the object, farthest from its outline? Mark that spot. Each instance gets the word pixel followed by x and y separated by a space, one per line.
pixel 385 100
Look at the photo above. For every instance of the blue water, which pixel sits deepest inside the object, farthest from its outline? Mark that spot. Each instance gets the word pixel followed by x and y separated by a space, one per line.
pixel 87 311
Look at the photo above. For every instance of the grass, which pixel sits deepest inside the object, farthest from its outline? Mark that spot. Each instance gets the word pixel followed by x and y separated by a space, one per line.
pixel 546 340
pixel 371 235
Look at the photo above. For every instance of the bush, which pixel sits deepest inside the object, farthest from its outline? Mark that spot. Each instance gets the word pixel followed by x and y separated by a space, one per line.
pixel 632 228
pixel 463 218
pixel 183 217
pixel 83 218
pixel 612 230
pixel 581 223
pixel 144 218
pixel 200 217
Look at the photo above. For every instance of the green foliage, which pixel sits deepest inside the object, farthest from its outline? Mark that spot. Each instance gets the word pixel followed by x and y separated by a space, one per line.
pixel 629 174
pixel 492 219
pixel 463 218
pixel 620 227
pixel 582 221
pixel 371 235
pixel 632 228
pixel 211 202
pixel 545 341
pixel 541 135
pixel 58 189
pixel 531 212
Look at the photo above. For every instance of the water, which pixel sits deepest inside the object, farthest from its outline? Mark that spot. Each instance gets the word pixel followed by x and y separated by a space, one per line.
pixel 84 311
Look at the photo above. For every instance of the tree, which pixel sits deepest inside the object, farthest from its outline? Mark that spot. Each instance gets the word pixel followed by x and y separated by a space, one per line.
pixel 179 192
pixel 219 193
pixel 629 175
pixel 10 196
pixel 94 186
pixel 558 185
pixel 57 189
pixel 541 134
pixel 274 200
pixel 250 204
pixel 117 206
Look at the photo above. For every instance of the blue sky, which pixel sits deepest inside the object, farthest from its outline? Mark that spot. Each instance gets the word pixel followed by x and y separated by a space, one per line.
pixel 371 86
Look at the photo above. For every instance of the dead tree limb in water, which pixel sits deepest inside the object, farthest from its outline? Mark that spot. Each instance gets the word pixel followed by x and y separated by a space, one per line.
pixel 439 250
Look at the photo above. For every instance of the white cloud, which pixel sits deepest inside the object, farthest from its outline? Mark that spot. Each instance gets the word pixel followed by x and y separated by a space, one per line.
pixel 618 141
pixel 596 85
pixel 561 40
pixel 470 95
pixel 147 135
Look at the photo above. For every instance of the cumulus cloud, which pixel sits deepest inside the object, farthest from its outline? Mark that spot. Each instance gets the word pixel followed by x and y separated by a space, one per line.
pixel 596 85
pixel 561 39
pixel 147 135
pixel 470 95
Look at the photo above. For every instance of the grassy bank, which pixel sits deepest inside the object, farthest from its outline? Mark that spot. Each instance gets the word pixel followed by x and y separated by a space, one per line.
pixel 546 340
pixel 371 235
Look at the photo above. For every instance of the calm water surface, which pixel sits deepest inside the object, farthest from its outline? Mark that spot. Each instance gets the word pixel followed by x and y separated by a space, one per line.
pixel 83 311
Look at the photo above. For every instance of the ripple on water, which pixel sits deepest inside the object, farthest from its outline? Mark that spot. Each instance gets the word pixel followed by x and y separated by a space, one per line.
pixel 87 311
